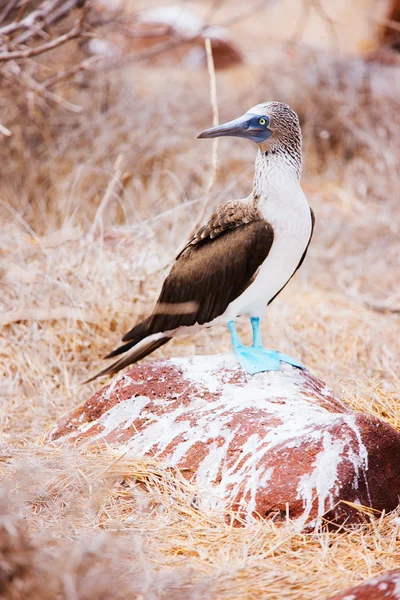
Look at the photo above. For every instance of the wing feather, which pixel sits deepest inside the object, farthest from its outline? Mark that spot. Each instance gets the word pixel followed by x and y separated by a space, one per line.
pixel 212 271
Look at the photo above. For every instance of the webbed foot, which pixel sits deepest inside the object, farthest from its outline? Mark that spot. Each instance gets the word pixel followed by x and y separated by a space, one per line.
pixel 256 360
pixel 289 360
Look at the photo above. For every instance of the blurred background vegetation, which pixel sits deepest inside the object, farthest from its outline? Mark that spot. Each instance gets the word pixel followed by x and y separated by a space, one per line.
pixel 101 181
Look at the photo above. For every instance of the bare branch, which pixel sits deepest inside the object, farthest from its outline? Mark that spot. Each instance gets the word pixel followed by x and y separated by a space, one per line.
pixel 33 21
pixel 34 86
pixel 382 307
pixel 248 12
pixel 324 15
pixel 214 155
pixel 309 5
pixel 76 31
pixel 32 18
pixel 7 9
pixel 214 105
pixel 153 52
pixel 52 17
pixel 85 65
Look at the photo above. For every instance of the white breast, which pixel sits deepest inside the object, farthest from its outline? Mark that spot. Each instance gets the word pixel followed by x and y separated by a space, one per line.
pixel 286 209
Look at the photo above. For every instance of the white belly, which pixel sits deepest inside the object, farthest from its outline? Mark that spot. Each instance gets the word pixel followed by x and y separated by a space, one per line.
pixel 292 230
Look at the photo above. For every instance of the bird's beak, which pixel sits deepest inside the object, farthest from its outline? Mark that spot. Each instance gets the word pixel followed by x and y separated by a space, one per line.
pixel 246 126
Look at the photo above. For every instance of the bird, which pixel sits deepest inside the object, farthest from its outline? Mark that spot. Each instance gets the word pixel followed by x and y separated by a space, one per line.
pixel 243 256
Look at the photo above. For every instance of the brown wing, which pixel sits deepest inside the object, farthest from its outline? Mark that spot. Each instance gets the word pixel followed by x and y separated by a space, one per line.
pixel 228 215
pixel 211 273
pixel 215 266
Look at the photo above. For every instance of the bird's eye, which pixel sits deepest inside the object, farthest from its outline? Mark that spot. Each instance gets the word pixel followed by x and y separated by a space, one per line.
pixel 262 121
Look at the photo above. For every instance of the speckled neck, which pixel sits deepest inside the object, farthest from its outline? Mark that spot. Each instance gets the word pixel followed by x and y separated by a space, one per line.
pixel 276 166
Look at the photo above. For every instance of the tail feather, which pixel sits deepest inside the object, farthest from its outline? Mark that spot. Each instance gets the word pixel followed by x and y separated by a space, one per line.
pixel 121 349
pixel 138 332
pixel 134 352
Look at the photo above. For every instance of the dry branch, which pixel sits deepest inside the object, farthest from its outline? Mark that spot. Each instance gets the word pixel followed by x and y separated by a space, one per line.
pixel 75 32
pixel 382 307
pixel 27 34
pixel 7 9
pixel 47 14
pixel 214 155
pixel 308 6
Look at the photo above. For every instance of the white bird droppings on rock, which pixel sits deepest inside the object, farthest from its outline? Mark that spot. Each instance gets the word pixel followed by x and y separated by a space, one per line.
pixel 255 443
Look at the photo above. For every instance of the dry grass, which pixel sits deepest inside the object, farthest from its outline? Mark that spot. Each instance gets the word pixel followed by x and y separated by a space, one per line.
pixel 91 206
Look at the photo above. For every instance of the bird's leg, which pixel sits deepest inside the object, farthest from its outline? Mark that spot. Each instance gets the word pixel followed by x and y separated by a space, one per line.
pixel 253 359
pixel 255 325
pixel 273 355
pixel 236 343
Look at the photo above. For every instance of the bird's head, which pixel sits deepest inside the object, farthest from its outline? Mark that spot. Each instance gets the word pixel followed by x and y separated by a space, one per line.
pixel 272 125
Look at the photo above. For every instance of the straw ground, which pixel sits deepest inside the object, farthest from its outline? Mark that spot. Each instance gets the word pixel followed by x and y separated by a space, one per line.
pixel 92 207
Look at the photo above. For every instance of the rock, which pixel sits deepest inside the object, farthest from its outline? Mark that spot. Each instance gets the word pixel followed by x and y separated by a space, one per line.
pixel 385 587
pixel 177 33
pixel 176 23
pixel 274 443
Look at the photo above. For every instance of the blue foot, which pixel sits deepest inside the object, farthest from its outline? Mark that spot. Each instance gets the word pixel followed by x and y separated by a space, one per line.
pixel 257 343
pixel 256 360
pixel 291 361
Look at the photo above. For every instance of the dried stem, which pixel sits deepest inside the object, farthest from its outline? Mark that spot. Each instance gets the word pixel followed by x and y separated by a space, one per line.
pixel 18 45
pixel 214 154
pixel 75 32
pixel 7 9
pixel 39 15
pixel 308 5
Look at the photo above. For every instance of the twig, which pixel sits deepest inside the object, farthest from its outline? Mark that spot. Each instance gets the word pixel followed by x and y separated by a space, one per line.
pixel 214 104
pixel 108 194
pixel 82 66
pixel 66 7
pixel 301 23
pixel 152 52
pixel 76 31
pixel 31 18
pixel 390 304
pixel 14 48
pixel 52 18
pixel 304 18
pixel 213 9
pixel 214 159
pixel 382 308
pixel 248 12
pixel 162 31
pixel 7 9
pixel 47 94
pixel 214 153
pixel 322 13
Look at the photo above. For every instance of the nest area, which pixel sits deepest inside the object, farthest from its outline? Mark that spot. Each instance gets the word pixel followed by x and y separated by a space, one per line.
pixel 94 204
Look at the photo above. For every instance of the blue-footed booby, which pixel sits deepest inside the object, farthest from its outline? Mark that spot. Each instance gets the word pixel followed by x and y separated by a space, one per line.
pixel 244 255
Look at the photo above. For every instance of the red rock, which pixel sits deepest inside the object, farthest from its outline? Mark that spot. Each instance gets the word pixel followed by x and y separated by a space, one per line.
pixel 175 23
pixel 265 443
pixel 182 32
pixel 385 587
